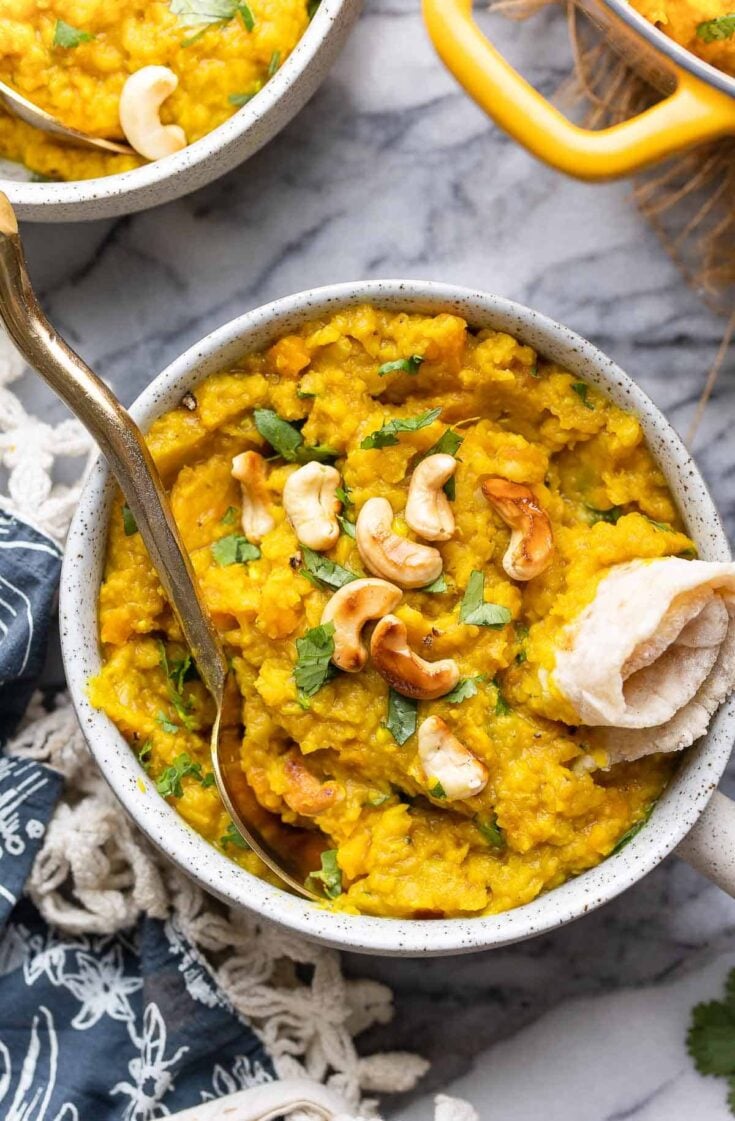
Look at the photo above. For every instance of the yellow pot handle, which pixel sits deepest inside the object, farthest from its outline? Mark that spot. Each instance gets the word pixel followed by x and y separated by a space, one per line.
pixel 693 113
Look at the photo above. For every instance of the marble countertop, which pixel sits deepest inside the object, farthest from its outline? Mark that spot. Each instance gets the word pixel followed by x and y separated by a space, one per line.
pixel 391 171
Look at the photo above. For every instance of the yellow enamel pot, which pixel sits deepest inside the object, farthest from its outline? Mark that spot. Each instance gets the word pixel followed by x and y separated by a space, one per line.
pixel 698 103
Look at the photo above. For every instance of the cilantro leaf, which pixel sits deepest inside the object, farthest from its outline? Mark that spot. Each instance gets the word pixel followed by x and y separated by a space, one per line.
pixel 175 674
pixel 491 832
pixel 230 516
pixel 475 611
pixel 130 526
pixel 314 652
pixel 144 754
pixel 166 724
pixel 714 30
pixel 582 389
pixel 232 836
pixel 612 515
pixel 195 13
pixel 502 708
pixel 169 783
pixel 437 790
pixel 629 834
pixel 329 879
pixel 275 62
pixel 448 443
pixel 387 436
pixel 408 365
pixel 67 36
pixel 348 527
pixel 377 798
pixel 234 549
pixel 402 715
pixel 436 587
pixel 326 571
pixel 344 493
pixel 711 1037
pixel 286 439
pixel 240 99
pixel 465 688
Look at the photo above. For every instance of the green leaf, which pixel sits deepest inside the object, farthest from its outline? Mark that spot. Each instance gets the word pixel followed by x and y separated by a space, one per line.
pixel 176 672
pixel 502 708
pixel 377 799
pixel 230 516
pixel 344 494
pixel 405 365
pixel 581 389
pixel 314 652
pixel 711 1038
pixel 166 724
pixel 450 488
pixel 475 611
pixel 169 783
pixel 521 657
pixel 533 371
pixel 130 526
pixel 194 13
pixel 275 62
pixel 714 30
pixel 326 571
pixel 437 790
pixel 448 443
pixel 612 515
pixel 67 36
pixel 634 830
pixel 232 836
pixel 246 15
pixel 240 99
pixel 487 824
pixel 144 754
pixel 329 878
pixel 387 436
pixel 348 528
pixel 234 549
pixel 437 586
pixel 286 439
pixel 663 526
pixel 402 716
pixel 311 8
pixel 465 688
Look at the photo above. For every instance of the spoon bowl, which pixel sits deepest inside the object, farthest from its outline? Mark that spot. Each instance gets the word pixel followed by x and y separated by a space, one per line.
pixel 21 107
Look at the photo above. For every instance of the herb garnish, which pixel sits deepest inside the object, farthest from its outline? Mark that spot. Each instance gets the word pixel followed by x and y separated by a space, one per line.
pixel 234 549
pixel 582 389
pixel 130 526
pixel 240 99
pixel 711 1037
pixel 408 365
pixel 205 13
pixel 387 436
pixel 402 713
pixel 176 671
pixel 437 790
pixel 377 799
pixel 329 879
pixel 629 834
pixel 169 784
pixel 275 62
pixel 502 708
pixel 144 754
pixel 613 514
pixel 313 664
pixel 474 610
pixel 324 570
pixel 713 30
pixel 166 724
pixel 67 36
pixel 465 688
pixel 230 516
pixel 448 443
pixel 232 836
pixel 490 830
pixel 436 587
pixel 286 439
pixel 348 527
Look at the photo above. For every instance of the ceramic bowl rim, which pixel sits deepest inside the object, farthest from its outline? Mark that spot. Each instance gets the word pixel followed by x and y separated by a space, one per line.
pixel 153 175
pixel 675 813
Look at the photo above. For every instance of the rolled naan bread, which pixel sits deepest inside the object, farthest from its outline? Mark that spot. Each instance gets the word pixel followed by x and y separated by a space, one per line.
pixel 653 655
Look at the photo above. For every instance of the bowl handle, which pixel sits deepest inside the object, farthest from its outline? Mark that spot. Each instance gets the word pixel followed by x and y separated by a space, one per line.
pixel 710 845
pixel 693 113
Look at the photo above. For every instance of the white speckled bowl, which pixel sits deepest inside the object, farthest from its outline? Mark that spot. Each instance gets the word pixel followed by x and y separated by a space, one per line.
pixel 685 800
pixel 218 152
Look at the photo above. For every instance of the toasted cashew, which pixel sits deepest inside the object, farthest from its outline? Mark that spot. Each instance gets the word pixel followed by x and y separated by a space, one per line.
pixel 304 793
pixel 311 504
pixel 405 671
pixel 445 760
pixel 386 554
pixel 428 510
pixel 142 96
pixel 531 542
pixel 349 609
pixel 249 470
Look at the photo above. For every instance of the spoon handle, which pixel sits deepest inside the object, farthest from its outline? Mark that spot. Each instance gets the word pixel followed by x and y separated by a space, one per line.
pixel 120 441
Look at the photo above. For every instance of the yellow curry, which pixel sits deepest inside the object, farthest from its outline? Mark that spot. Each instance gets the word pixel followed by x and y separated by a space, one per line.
pixel 704 27
pixel 72 58
pixel 385 841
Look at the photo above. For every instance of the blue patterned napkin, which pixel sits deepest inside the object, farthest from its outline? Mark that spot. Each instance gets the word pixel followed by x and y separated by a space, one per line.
pixel 92 1028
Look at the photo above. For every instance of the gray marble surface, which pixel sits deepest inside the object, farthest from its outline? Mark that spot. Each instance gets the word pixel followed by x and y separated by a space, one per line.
pixel 391 171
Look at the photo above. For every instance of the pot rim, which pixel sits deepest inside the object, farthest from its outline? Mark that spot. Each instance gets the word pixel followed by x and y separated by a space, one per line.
pixel 677 54
pixel 322 27
pixel 676 811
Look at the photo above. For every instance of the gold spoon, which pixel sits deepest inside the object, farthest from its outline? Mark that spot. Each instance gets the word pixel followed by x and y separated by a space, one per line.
pixel 20 107
pixel 126 451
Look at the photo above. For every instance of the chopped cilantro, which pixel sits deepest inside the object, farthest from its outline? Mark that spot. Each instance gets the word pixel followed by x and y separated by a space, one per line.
pixel 343 494
pixel 286 439
pixel 490 830
pixel 275 62
pixel 329 879
pixel 521 657
pixel 234 549
pixel 311 8
pixel 714 30
pixel 634 830
pixel 448 443
pixel 326 571
pixel 240 99
pixel 581 389
pixel 475 611
pixel 230 516
pixel 711 1037
pixel 663 526
pixel 166 724
pixel 314 652
pixel 437 790
pixel 204 13
pixel 502 708
pixel 176 672
pixel 405 365
pixel 612 515
pixel 402 713
pixel 377 798
pixel 130 526
pixel 465 688
pixel 67 36
pixel 387 436
pixel 232 836
pixel 169 783
pixel 437 586
pixel 246 15
pixel 348 527
pixel 144 754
